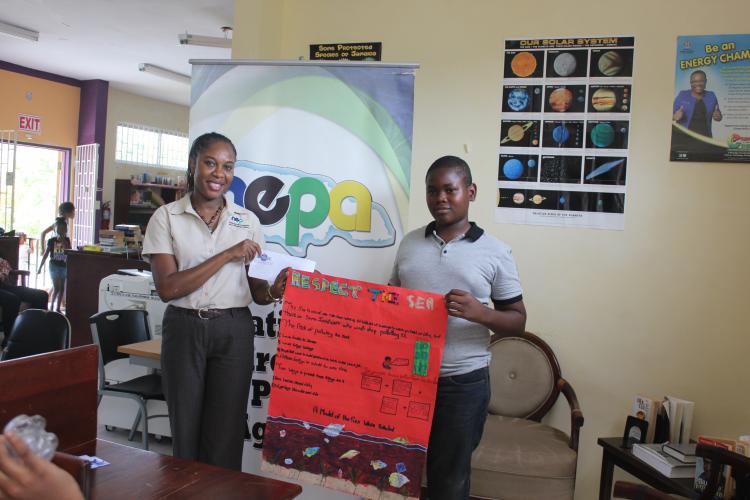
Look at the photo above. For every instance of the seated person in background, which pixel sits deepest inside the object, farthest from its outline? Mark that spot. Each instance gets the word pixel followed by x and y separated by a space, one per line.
pixel 65 212
pixel 27 476
pixel 11 297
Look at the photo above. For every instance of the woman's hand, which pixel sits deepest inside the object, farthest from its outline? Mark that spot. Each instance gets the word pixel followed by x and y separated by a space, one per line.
pixel 245 250
pixel 27 476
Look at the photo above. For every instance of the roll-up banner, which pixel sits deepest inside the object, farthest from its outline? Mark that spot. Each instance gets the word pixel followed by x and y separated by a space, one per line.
pixel 324 161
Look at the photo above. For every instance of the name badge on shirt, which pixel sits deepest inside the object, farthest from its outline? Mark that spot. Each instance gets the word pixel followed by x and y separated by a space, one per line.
pixel 237 220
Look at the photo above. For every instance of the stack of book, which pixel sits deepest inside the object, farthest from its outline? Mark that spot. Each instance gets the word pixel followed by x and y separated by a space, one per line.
pixel 654 455
pixel 112 241
pixel 133 235
pixel 669 419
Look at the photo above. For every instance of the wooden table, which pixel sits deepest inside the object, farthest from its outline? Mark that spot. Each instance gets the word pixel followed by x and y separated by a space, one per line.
pixel 146 353
pixel 145 475
pixel 614 454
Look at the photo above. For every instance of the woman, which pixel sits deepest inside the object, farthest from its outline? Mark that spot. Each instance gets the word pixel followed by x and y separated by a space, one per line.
pixel 199 247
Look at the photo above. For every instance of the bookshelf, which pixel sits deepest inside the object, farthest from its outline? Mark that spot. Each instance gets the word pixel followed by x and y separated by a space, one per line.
pixel 136 202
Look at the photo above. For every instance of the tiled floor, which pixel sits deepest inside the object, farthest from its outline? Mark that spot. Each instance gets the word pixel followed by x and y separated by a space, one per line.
pixel 120 436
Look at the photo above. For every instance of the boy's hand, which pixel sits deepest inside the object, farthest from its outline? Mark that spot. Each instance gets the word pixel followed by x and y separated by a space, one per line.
pixel 462 304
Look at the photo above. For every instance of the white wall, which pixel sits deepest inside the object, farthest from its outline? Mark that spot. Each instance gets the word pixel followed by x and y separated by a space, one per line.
pixel 125 107
pixel 660 307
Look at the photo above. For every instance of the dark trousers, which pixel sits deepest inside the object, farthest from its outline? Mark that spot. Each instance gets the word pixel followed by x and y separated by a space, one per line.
pixel 206 369
pixel 460 413
pixel 11 297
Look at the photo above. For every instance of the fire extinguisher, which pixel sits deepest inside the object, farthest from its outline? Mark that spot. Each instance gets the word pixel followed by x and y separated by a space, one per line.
pixel 106 215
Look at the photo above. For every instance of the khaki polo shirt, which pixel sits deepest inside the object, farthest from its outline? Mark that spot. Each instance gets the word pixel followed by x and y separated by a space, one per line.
pixel 177 229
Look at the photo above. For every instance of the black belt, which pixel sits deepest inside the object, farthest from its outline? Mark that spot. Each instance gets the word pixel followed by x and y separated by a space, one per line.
pixel 206 313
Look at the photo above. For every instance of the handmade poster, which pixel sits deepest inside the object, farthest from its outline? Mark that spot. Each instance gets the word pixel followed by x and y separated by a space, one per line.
pixel 324 161
pixel 353 395
pixel 711 108
pixel 564 129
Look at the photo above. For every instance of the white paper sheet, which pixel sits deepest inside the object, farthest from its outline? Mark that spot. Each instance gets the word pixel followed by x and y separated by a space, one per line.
pixel 268 265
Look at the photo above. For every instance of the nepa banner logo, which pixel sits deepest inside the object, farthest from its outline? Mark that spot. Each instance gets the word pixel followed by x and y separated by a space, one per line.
pixel 298 209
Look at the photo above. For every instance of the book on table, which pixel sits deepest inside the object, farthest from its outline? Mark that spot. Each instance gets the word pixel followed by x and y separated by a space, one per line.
pixel 680 414
pixel 684 452
pixel 653 455
pixel 646 408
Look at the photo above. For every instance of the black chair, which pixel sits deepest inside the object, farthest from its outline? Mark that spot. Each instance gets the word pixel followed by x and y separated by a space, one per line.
pixel 37 331
pixel 110 330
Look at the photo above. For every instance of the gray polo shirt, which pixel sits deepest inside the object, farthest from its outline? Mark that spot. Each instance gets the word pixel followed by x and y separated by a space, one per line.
pixel 475 262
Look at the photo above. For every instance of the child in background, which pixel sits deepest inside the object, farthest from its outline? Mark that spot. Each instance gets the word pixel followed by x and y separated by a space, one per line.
pixel 65 212
pixel 58 269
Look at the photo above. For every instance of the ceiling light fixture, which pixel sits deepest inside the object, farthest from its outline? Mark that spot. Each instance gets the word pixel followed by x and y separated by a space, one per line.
pixel 207 41
pixel 18 32
pixel 164 73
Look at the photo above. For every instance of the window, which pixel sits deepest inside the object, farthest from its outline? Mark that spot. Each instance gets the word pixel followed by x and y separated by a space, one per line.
pixel 152 147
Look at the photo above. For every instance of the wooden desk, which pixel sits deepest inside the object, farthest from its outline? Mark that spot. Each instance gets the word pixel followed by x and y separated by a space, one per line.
pixel 145 475
pixel 146 353
pixel 614 454
pixel 85 271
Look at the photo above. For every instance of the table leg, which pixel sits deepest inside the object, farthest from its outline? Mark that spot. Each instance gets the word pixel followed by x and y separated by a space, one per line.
pixel 605 480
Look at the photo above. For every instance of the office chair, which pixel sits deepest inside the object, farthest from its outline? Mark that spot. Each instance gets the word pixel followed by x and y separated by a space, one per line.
pixel 37 331
pixel 111 329
pixel 718 458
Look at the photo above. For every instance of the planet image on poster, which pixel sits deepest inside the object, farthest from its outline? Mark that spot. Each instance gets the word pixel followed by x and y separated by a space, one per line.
pixel 610 63
pixel 518 198
pixel 523 64
pixel 603 99
pixel 513 169
pixel 531 163
pixel 604 168
pixel 537 199
pixel 564 64
pixel 602 135
pixel 560 99
pixel 560 134
pixel 516 132
pixel 518 99
pixel 562 200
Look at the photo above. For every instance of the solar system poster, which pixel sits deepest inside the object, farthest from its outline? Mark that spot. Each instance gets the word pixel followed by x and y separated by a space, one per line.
pixel 711 108
pixel 564 130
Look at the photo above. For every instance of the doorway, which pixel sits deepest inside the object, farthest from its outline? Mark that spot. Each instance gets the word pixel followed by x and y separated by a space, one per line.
pixel 37 181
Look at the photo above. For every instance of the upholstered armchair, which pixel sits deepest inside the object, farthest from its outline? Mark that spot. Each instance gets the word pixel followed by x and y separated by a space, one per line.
pixel 519 457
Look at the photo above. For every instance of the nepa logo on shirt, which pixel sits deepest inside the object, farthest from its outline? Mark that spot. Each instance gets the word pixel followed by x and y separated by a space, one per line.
pixel 236 220
pixel 298 209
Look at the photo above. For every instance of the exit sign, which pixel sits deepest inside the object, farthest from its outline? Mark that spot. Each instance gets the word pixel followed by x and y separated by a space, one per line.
pixel 30 123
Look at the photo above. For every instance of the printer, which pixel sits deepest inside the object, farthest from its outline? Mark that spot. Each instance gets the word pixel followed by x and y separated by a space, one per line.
pixel 134 290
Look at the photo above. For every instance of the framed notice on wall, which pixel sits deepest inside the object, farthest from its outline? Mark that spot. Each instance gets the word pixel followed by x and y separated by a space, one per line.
pixel 350 51
pixel 564 131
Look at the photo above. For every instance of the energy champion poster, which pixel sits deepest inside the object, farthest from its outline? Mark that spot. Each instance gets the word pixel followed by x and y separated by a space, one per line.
pixel 711 108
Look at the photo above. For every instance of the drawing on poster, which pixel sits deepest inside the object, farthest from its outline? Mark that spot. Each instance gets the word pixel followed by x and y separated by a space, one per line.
pixel 354 385
pixel 564 131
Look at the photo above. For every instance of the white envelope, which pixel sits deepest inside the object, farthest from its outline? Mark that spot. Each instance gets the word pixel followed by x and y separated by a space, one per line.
pixel 268 265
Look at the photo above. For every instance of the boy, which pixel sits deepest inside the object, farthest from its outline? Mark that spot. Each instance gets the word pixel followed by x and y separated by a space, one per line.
pixel 455 257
